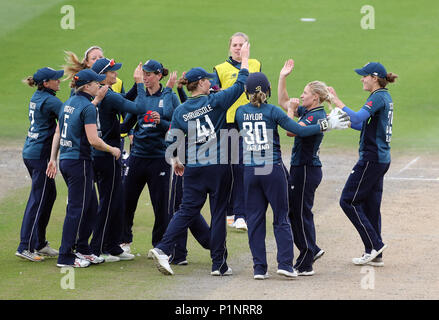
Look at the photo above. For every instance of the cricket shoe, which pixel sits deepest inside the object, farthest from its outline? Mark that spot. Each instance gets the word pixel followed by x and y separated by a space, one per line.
pixel 126 247
pixel 217 273
pixel 48 251
pixel 377 262
pixel 368 257
pixel 240 224
pixel 318 255
pixel 161 261
pixel 125 256
pixel 32 256
pixel 306 273
pixel 261 276
pixel 92 258
pixel 78 263
pixel 109 258
pixel 288 274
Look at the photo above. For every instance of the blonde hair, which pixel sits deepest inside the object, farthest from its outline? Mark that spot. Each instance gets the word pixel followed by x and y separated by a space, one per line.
pixel 238 34
pixel 73 65
pixel 321 89
pixel 257 98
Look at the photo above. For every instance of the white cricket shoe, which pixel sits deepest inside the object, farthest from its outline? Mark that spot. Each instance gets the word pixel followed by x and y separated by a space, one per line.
pixel 240 224
pixel 32 256
pixel 109 258
pixel 229 272
pixel 125 256
pixel 78 263
pixel 162 261
pixel 377 262
pixel 48 251
pixel 306 273
pixel 261 276
pixel 92 258
pixel 287 274
pixel 368 257
pixel 126 247
pixel 319 255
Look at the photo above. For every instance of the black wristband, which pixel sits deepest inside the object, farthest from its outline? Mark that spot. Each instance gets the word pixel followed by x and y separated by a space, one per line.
pixel 323 124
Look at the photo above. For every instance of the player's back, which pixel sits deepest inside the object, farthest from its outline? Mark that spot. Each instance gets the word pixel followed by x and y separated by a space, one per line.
pixel 75 113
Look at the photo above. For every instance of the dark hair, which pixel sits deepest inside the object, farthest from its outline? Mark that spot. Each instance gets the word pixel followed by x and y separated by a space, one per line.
pixel 390 78
pixel 30 81
pixel 191 86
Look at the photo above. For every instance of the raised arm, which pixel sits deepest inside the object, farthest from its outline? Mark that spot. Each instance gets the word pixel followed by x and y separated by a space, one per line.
pixel 357 118
pixel 282 93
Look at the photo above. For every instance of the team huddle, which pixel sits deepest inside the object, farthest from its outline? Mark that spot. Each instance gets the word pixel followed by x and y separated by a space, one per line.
pixel 216 136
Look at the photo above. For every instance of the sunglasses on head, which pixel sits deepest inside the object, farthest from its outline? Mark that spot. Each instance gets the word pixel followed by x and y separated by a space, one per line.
pixel 109 64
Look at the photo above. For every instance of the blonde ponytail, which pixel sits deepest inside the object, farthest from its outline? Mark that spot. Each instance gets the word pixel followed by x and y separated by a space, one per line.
pixel 73 65
pixel 257 98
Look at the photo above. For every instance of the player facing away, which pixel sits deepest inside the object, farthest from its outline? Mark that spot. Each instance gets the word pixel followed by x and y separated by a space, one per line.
pixel 265 177
pixel 362 194
pixel 44 107
pixel 75 134
pixel 207 170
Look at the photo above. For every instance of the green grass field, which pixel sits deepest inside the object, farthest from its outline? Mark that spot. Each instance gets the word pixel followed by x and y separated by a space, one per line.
pixel 185 34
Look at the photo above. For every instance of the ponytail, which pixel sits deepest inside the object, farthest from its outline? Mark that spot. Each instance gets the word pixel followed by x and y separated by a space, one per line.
pixel 390 78
pixel 30 81
pixel 257 98
pixel 73 65
pixel 191 86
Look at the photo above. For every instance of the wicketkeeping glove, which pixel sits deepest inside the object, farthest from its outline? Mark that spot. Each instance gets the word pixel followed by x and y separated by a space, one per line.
pixel 337 120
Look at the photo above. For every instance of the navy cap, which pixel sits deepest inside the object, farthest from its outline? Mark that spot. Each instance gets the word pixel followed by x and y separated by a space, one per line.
pixel 198 73
pixel 46 74
pixel 104 64
pixel 86 76
pixel 257 82
pixel 153 66
pixel 372 68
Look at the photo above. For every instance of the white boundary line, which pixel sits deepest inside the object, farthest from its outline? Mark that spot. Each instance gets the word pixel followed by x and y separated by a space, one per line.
pixel 411 179
pixel 409 164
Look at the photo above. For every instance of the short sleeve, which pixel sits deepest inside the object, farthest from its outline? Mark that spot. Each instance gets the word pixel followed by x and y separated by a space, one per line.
pixel 89 114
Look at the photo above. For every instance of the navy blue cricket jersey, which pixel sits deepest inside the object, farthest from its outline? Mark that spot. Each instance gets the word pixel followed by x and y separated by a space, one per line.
pixel 258 125
pixel 149 137
pixel 376 132
pixel 200 119
pixel 44 108
pixel 306 149
pixel 75 113
pixel 108 116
